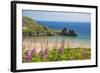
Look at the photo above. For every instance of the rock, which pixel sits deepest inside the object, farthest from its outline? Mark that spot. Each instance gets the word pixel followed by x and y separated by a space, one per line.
pixel 68 32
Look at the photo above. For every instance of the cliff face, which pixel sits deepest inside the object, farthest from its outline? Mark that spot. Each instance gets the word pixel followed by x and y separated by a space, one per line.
pixel 30 27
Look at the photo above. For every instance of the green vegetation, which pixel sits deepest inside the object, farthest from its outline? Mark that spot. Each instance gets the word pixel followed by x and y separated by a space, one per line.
pixel 30 27
pixel 65 54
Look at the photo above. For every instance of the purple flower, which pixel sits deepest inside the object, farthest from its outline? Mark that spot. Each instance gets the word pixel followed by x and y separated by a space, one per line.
pixel 28 56
pixel 46 51
pixel 33 51
pixel 41 53
pixel 46 54
pixel 61 50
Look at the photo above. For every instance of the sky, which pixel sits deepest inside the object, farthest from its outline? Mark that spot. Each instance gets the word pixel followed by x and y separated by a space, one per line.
pixel 57 16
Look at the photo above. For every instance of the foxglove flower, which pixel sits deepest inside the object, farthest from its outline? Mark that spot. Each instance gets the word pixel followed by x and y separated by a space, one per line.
pixel 41 53
pixel 46 54
pixel 61 50
pixel 28 56
pixel 33 51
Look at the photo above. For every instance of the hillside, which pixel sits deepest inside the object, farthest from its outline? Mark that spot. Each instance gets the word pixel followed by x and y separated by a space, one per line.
pixel 30 27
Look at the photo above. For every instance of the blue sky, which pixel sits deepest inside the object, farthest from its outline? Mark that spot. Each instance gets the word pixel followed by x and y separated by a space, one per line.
pixel 57 16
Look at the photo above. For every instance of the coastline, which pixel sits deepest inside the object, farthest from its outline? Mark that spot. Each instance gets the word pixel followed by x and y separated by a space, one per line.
pixel 27 45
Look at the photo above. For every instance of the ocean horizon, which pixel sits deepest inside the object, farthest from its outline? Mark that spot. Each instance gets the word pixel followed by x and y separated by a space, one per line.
pixel 81 28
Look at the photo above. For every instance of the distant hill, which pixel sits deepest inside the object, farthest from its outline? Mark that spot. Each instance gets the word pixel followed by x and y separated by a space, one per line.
pixel 31 27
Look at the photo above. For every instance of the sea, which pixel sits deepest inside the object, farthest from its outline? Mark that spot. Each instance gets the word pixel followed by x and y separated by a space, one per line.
pixel 82 29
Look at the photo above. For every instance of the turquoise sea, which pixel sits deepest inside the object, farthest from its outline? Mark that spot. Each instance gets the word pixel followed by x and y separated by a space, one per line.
pixel 82 29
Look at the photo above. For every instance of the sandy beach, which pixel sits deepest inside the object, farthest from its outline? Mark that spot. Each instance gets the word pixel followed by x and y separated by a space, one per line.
pixel 38 45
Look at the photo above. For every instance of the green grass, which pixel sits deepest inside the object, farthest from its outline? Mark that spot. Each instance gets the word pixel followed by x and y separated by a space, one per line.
pixel 55 55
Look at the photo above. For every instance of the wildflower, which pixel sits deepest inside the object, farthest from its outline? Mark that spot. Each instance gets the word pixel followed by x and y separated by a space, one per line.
pixel 46 54
pixel 41 53
pixel 28 56
pixel 56 43
pixel 33 51
pixel 61 50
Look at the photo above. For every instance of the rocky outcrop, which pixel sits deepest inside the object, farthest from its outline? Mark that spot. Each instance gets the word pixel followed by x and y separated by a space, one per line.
pixel 68 32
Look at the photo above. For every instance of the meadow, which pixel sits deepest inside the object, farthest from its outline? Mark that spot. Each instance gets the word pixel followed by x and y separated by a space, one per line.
pixel 62 53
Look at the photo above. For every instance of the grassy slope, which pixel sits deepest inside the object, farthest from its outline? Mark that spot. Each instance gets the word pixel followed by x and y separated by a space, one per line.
pixel 29 25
